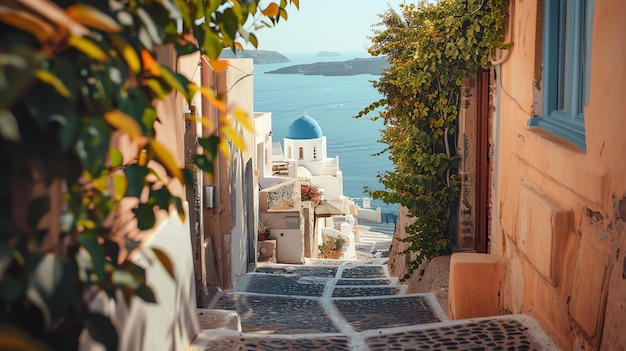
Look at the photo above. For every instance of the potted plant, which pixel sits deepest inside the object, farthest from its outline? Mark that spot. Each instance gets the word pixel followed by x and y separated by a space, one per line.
pixel 332 248
pixel 264 231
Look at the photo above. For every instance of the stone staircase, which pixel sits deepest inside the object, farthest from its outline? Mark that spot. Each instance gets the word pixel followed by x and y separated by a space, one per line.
pixel 338 305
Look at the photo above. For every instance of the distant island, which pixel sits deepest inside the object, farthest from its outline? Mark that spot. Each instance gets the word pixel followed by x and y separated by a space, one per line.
pixel 257 56
pixel 373 66
pixel 327 54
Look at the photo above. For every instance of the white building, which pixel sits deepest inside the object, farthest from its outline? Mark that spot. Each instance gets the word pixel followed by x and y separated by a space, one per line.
pixel 306 144
pixel 303 155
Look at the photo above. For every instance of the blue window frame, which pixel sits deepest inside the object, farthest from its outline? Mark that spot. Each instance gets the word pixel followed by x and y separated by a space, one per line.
pixel 566 68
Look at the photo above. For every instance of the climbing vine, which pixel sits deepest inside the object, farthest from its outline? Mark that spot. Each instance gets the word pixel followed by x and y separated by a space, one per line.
pixel 431 48
pixel 74 77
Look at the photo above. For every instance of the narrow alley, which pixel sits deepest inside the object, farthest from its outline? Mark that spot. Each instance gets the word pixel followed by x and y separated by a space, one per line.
pixel 349 305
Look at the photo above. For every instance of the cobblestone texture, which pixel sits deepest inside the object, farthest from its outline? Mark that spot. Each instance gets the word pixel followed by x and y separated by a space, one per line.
pixel 276 284
pixel 277 315
pixel 376 313
pixel 316 271
pixel 395 322
pixel 492 335
pixel 229 343
pixel 363 272
pixel 363 282
pixel 364 291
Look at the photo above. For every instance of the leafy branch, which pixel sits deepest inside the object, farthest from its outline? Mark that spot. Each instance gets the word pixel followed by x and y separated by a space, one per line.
pixel 431 48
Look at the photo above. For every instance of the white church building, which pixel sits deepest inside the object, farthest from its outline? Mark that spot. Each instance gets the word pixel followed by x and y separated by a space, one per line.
pixel 306 144
pixel 303 155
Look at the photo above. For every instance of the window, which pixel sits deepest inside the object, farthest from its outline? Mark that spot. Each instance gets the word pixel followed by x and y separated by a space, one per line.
pixel 300 153
pixel 566 68
pixel 289 152
pixel 314 153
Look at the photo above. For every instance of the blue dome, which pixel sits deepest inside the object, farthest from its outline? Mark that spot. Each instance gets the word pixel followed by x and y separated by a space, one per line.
pixel 304 127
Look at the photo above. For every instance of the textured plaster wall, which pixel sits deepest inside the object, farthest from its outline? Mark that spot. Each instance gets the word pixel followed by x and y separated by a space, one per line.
pixel 562 209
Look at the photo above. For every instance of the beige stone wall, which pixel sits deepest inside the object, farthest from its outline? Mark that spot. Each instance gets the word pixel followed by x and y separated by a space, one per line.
pixel 397 260
pixel 561 210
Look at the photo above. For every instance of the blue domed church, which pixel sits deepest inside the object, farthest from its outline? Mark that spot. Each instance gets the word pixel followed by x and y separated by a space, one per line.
pixel 306 144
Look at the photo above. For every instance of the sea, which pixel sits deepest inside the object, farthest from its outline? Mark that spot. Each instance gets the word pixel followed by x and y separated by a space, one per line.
pixel 332 101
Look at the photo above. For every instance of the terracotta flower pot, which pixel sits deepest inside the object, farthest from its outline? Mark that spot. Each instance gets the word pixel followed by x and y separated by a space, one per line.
pixel 335 254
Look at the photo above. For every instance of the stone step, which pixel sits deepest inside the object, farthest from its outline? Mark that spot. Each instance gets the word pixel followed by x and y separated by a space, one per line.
pixel 511 332
pixel 349 306
pixel 279 314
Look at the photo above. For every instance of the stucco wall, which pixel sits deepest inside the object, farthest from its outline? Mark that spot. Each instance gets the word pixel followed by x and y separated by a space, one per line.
pixel 561 209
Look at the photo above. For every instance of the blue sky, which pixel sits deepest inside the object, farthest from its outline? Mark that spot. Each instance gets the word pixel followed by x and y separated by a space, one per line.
pixel 326 25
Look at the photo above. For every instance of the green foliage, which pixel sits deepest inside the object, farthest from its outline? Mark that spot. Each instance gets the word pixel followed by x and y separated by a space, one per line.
pixel 431 48
pixel 74 75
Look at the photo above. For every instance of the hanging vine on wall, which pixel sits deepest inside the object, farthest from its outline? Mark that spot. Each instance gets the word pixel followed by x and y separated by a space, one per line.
pixel 431 48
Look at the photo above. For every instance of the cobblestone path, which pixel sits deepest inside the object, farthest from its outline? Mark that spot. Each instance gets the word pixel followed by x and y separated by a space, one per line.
pixel 335 305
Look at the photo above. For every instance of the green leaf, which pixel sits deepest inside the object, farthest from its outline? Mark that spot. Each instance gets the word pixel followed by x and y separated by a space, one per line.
pixel 161 197
pixel 204 162
pixel 176 81
pixel 91 244
pixel 145 216
pixel 136 179
pixel 212 45
pixel 210 144
pixel 179 208
pixel 93 145
pixel 102 330
pixel 146 294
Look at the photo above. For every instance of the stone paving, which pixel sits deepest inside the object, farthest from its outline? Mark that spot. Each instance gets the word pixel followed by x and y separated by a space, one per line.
pixel 338 305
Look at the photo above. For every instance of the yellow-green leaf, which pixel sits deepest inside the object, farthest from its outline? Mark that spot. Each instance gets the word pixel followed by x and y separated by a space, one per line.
pixel 206 122
pixel 208 94
pixel 124 122
pixel 119 186
pixel 101 183
pixel 223 146
pixel 167 159
pixel 242 117
pixel 93 18
pixel 232 134
pixel 88 47
pixel 156 87
pixel 252 39
pixel 49 78
pixel 171 80
pixel 129 54
pixel 116 157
